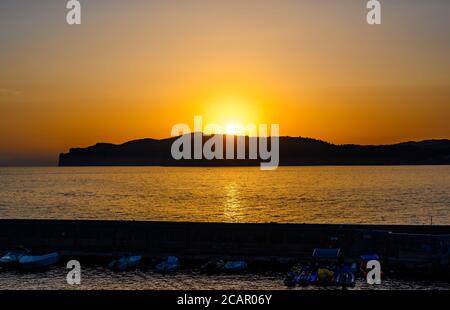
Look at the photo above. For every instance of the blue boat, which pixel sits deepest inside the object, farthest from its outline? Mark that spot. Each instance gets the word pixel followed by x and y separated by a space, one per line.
pixel 303 278
pixel 345 278
pixel 291 279
pixel 293 276
pixel 29 262
pixel 170 265
pixel 125 263
pixel 313 278
pixel 327 255
pixel 11 258
pixel 235 266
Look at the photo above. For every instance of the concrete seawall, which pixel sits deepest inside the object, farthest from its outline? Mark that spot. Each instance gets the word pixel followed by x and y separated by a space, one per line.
pixel 417 245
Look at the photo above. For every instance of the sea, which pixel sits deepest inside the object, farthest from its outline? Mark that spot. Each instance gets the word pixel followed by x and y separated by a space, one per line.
pixel 326 194
pixel 418 195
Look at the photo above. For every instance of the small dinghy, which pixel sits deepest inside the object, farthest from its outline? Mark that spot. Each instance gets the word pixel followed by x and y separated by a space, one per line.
pixel 213 266
pixel 313 278
pixel 325 277
pixel 30 262
pixel 171 265
pixel 291 279
pixel 11 258
pixel 345 278
pixel 307 276
pixel 125 263
pixel 235 266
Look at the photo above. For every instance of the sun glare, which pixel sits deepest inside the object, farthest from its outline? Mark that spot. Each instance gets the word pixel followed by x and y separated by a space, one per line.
pixel 231 129
pixel 232 114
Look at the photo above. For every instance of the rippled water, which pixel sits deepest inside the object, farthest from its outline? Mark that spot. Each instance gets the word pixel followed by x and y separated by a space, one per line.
pixel 400 194
pixel 99 278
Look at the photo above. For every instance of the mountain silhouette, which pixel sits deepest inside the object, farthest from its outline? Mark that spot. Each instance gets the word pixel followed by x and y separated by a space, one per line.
pixel 294 151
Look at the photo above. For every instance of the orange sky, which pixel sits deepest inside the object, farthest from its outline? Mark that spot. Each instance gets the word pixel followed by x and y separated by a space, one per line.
pixel 133 69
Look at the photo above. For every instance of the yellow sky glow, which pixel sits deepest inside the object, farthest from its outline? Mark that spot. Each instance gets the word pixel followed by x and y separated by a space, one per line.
pixel 133 70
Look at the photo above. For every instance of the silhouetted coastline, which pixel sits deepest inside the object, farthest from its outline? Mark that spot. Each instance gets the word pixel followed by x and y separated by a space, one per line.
pixel 294 151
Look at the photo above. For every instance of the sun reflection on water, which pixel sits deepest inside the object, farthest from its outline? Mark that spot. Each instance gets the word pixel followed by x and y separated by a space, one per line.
pixel 232 207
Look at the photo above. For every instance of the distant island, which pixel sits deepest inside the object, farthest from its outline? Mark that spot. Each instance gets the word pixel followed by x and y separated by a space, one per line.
pixel 294 151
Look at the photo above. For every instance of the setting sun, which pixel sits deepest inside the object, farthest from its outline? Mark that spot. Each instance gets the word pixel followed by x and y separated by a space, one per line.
pixel 231 129
pixel 233 111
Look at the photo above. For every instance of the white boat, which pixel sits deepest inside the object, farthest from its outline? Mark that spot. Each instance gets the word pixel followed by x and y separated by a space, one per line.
pixel 38 261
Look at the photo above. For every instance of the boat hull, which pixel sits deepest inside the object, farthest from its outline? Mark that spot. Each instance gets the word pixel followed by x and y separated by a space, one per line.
pixel 30 262
pixel 125 263
pixel 11 259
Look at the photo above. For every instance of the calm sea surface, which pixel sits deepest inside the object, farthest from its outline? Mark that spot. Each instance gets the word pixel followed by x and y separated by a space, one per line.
pixel 403 194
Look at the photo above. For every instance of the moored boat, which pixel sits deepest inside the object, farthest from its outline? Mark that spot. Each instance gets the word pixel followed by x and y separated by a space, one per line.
pixel 125 263
pixel 213 266
pixel 169 266
pixel 303 278
pixel 235 266
pixel 30 262
pixel 291 279
pixel 313 278
pixel 325 277
pixel 345 278
pixel 11 259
